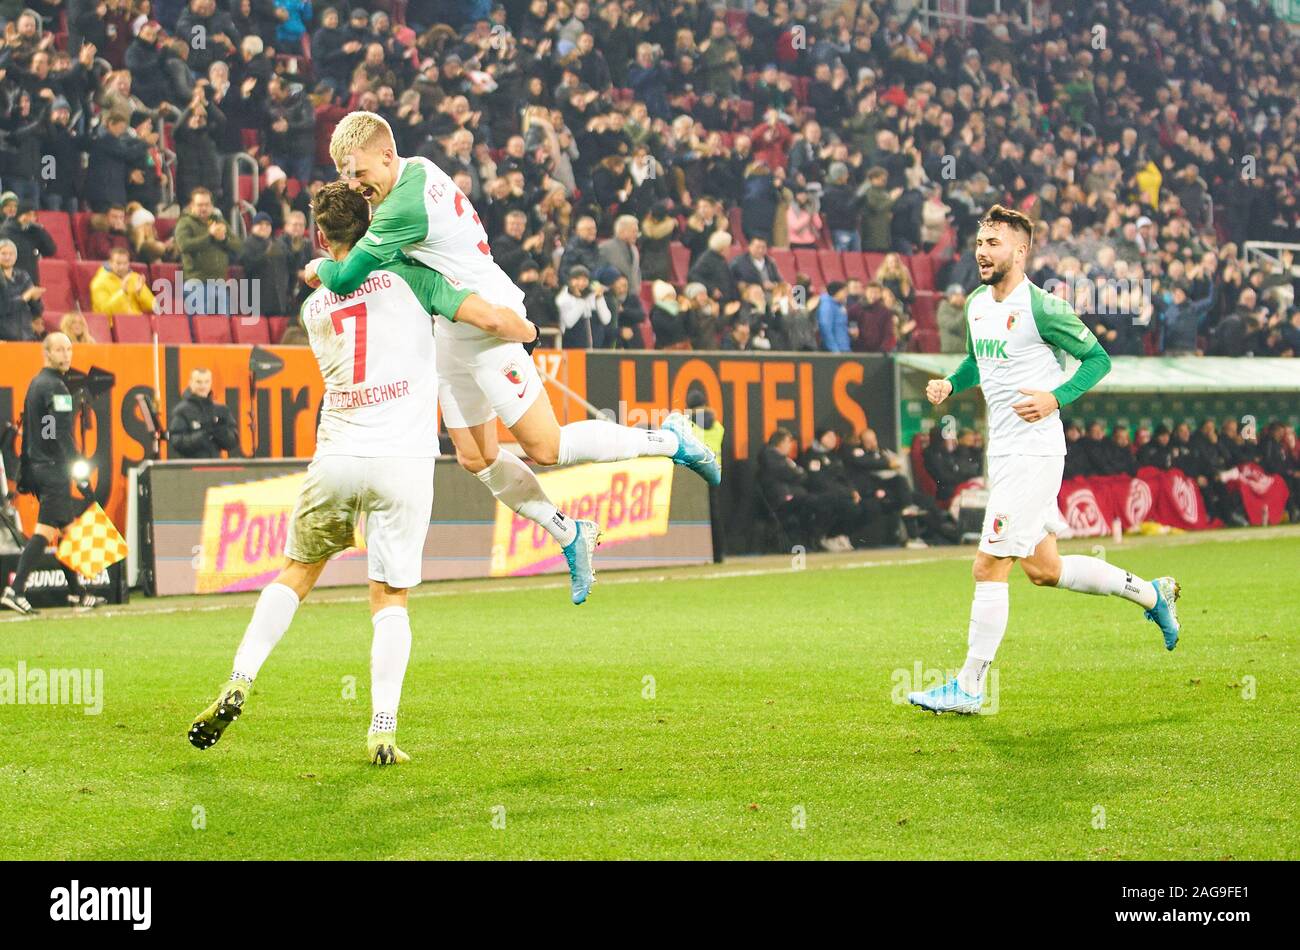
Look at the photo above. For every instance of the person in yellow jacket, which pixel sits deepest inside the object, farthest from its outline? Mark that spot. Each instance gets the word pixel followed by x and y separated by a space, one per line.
pixel 116 289
pixel 1148 180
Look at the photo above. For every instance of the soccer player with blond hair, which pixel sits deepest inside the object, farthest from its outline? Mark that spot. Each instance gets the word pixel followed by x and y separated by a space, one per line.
pixel 1015 333
pixel 420 212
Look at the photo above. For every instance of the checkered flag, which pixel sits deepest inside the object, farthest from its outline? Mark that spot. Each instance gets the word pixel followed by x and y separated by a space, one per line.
pixel 91 543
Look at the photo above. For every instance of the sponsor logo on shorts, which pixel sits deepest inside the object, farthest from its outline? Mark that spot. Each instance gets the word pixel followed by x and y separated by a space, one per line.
pixel 516 377
pixel 1000 523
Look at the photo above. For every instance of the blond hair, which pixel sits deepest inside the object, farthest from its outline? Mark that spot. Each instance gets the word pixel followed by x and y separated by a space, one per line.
pixel 359 130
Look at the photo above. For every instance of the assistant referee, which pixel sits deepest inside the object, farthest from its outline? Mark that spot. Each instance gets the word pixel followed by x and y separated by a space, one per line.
pixel 48 456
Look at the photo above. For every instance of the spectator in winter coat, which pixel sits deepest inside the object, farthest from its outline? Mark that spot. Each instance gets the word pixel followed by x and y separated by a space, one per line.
pixel 833 319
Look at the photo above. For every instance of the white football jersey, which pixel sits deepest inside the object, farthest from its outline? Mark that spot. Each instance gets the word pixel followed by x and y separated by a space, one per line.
pixel 1017 344
pixel 429 219
pixel 375 348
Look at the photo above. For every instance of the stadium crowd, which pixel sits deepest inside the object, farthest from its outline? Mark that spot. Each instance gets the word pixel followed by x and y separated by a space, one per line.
pixel 674 174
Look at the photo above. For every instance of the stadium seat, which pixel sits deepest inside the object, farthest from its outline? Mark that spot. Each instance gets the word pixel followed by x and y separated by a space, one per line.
pixel 163 270
pixel 99 326
pixel 831 265
pixel 783 258
pixel 133 328
pixel 872 259
pixel 647 334
pixel 56 277
pixel 926 341
pixel 52 319
pixel 173 328
pixel 681 257
pixel 920 474
pixel 925 308
pixel 275 328
pixel 83 272
pixel 211 328
pixel 164 227
pixel 81 230
pixel 737 232
pixel 646 293
pixel 806 262
pixel 250 330
pixel 922 267
pixel 59 224
pixel 854 265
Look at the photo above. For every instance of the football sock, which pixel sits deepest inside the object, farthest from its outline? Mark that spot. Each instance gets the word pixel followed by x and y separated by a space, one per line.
pixel 74 581
pixel 516 487
pixel 1092 575
pixel 988 622
pixel 389 654
pixel 271 618
pixel 32 552
pixel 598 440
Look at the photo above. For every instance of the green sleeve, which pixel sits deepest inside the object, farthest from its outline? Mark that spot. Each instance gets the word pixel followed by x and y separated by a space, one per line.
pixel 352 273
pixel 967 373
pixel 435 293
pixel 400 221
pixel 1060 327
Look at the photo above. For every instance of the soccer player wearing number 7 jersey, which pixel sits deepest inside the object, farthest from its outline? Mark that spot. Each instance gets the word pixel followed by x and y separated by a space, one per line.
pixel 420 212
pixel 375 450
pixel 1014 331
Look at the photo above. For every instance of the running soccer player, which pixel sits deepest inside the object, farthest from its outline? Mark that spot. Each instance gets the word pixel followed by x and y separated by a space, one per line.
pixel 420 212
pixel 1013 332
pixel 375 451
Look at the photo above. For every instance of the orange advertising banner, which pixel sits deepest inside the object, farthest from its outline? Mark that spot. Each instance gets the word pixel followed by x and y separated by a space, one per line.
pixel 276 416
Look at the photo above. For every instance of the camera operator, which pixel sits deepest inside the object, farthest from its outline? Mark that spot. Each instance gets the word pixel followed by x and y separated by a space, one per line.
pixel 50 461
pixel 200 428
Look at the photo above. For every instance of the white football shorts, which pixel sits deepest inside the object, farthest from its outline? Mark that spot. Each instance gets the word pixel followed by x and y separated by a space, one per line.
pixel 394 494
pixel 1022 503
pixel 479 379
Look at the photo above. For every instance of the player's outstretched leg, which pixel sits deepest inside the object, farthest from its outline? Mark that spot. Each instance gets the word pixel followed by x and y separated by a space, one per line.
pixel 390 653
pixel 1091 575
pixel 272 615
pixel 599 440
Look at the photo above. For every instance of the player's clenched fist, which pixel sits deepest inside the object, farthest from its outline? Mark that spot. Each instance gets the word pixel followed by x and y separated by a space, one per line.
pixel 937 390
pixel 309 272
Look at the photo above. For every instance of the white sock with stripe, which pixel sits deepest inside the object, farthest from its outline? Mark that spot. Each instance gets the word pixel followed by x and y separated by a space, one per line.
pixel 516 486
pixel 599 440
pixel 988 622
pixel 1092 575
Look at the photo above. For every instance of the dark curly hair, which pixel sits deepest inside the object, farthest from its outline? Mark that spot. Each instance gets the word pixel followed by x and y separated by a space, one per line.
pixel 341 213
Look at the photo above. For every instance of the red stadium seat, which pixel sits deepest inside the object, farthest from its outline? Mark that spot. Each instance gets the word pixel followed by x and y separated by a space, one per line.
pixel 59 224
pixel 99 327
pixel 81 230
pixel 831 265
pixel 873 260
pixel 681 256
pixel 920 474
pixel 250 330
pixel 925 308
pixel 133 328
pixel 163 270
pixel 806 262
pixel 737 232
pixel 926 341
pixel 783 258
pixel 647 334
pixel 922 268
pixel 211 328
pixel 173 328
pixel 56 277
pixel 276 327
pixel 737 23
pixel 164 227
pixel 52 319
pixel 646 293
pixel 854 265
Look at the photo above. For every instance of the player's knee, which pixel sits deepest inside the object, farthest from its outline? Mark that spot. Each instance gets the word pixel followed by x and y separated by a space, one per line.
pixel 472 463
pixel 543 453
pixel 981 570
pixel 1043 575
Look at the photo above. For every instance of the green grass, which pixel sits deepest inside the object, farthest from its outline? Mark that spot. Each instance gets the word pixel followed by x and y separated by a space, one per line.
pixel 772 692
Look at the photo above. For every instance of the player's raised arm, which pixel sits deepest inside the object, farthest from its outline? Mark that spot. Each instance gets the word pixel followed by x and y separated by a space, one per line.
pixel 440 297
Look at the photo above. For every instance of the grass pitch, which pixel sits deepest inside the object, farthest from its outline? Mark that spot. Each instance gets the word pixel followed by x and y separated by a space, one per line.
pixel 685 714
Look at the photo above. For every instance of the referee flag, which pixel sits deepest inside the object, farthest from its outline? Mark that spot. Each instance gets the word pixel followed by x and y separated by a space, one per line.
pixel 91 543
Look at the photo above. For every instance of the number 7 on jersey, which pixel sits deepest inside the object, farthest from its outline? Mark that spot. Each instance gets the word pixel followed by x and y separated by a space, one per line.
pixel 355 312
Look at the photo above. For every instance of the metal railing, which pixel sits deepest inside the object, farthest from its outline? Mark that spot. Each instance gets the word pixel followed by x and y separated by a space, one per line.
pixel 1257 252
pixel 238 205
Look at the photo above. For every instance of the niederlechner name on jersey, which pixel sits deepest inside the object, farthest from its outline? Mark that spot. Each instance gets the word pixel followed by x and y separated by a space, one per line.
pixel 327 297
pixel 369 396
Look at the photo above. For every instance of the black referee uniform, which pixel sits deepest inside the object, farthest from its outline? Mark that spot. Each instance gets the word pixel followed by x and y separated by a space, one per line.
pixel 48 454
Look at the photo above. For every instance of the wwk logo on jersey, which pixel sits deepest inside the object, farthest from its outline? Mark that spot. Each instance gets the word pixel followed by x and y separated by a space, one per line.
pixel 991 349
